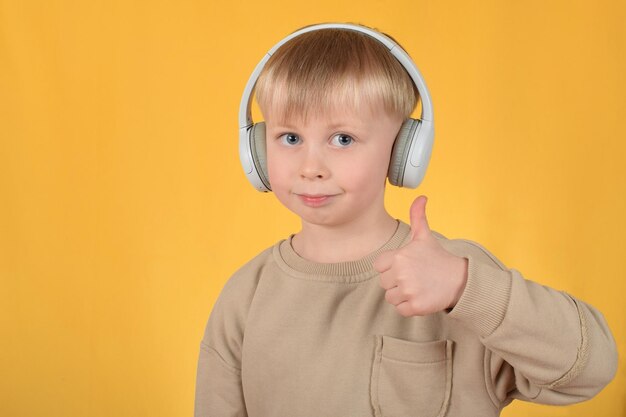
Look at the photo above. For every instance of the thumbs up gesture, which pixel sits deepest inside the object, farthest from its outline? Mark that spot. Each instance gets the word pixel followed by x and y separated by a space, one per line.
pixel 421 277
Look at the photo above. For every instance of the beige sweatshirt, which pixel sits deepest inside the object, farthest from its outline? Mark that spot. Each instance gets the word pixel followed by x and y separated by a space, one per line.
pixel 288 337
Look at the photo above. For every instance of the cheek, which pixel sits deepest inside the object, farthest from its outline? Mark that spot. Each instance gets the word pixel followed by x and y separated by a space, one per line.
pixel 273 167
pixel 278 172
pixel 367 176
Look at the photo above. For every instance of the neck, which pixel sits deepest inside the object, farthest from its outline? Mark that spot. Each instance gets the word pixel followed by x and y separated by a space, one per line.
pixel 344 243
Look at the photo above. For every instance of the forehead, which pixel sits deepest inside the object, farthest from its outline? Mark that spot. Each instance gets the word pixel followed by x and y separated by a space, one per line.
pixel 335 112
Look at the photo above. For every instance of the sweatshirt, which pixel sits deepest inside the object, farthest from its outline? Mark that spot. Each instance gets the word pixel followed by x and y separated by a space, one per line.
pixel 288 337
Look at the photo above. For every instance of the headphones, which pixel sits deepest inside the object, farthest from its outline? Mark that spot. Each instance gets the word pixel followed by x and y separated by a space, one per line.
pixel 413 144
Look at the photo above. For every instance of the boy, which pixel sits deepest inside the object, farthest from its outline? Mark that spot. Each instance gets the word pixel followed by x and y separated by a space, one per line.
pixel 360 314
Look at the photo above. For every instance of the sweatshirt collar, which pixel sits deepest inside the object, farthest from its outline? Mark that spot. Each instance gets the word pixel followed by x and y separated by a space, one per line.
pixel 340 272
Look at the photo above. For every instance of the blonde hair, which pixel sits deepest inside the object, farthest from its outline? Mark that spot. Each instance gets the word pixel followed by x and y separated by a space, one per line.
pixel 317 71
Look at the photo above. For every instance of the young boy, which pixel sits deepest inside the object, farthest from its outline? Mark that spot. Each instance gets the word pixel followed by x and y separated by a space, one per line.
pixel 359 314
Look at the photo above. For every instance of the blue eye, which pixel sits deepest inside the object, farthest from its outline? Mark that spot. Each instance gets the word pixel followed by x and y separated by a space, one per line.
pixel 290 139
pixel 342 140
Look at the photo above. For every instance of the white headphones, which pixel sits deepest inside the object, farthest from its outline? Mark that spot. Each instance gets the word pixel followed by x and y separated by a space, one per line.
pixel 412 147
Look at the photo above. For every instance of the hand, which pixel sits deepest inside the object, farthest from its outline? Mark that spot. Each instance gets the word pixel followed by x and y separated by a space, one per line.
pixel 422 277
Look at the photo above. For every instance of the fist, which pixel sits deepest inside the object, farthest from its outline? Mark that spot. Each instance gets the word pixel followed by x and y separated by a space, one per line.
pixel 422 277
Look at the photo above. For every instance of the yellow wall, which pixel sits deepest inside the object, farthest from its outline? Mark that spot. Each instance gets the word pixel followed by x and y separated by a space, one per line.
pixel 124 209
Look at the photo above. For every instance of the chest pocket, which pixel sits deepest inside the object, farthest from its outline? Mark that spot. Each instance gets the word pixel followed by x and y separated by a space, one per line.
pixel 411 379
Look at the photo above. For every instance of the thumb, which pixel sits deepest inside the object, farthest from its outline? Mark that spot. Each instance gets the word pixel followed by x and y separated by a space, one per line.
pixel 419 224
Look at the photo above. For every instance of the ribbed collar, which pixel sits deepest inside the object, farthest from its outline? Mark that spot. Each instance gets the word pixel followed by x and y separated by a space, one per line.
pixel 340 272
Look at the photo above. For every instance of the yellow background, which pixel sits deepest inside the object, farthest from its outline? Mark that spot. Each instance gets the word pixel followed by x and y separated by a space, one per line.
pixel 124 209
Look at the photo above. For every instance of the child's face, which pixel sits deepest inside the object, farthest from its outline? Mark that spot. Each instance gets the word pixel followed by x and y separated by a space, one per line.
pixel 331 171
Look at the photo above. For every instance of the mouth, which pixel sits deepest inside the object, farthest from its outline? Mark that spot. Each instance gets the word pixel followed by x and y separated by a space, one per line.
pixel 315 200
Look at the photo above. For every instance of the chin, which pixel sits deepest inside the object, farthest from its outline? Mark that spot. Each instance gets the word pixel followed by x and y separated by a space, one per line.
pixel 321 219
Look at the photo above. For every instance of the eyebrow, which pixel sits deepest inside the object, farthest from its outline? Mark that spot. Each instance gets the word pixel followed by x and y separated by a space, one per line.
pixel 285 126
pixel 331 126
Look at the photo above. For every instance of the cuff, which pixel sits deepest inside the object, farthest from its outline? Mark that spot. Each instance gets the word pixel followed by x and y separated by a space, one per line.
pixel 484 301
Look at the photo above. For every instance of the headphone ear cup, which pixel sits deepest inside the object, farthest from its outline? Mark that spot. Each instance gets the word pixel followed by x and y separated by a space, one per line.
pixel 258 147
pixel 400 152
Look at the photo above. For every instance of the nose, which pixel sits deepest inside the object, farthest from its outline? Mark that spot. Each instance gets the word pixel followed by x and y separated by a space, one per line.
pixel 313 166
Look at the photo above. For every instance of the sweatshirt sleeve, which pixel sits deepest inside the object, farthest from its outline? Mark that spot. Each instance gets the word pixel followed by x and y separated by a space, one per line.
pixel 219 391
pixel 543 345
